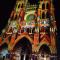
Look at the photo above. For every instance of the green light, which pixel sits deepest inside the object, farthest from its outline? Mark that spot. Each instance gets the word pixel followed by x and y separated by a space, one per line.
pixel 30 18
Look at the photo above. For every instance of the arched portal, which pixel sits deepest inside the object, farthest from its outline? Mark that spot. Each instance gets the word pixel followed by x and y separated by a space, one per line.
pixel 44 49
pixel 24 48
pixel 44 52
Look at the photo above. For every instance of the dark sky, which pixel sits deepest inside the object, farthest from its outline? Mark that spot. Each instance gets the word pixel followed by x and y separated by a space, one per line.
pixel 6 7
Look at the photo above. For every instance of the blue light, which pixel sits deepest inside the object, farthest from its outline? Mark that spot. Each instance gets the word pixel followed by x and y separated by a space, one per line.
pixel 4 52
pixel 44 22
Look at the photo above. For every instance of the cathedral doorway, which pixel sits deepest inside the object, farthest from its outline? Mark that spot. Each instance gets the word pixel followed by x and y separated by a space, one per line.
pixel 23 49
pixel 44 52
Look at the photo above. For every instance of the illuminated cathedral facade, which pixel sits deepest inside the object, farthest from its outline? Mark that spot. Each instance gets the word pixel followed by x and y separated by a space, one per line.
pixel 31 28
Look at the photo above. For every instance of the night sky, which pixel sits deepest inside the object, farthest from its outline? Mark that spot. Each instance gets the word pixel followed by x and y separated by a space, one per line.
pixel 6 7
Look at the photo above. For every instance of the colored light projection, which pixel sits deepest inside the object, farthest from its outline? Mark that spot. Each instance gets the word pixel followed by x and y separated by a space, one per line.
pixel 30 29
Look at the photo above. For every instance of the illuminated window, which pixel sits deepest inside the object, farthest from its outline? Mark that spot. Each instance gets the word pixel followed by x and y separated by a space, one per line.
pixel 43 6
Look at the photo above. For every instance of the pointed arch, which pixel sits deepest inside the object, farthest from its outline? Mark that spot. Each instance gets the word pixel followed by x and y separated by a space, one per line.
pixel 44 48
pixel 46 37
pixel 19 38
pixel 45 40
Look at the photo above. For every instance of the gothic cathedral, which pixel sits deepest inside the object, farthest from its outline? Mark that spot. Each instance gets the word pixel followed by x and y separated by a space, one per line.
pixel 31 28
